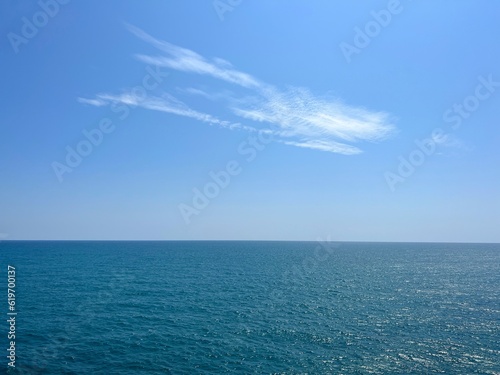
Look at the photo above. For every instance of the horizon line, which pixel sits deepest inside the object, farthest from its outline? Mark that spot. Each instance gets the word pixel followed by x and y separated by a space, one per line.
pixel 239 240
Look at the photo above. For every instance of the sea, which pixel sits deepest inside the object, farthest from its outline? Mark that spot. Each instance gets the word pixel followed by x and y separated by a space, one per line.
pixel 249 307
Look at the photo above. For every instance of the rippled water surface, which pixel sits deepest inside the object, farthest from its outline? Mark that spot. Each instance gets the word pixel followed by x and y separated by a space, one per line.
pixel 253 308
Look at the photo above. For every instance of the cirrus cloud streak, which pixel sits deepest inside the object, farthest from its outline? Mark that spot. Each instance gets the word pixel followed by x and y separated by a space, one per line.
pixel 295 116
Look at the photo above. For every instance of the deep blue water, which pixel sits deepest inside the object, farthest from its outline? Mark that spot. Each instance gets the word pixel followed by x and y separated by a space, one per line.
pixel 253 308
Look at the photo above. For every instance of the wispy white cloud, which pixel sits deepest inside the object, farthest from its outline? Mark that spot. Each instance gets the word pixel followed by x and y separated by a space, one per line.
pixel 220 95
pixel 299 113
pixel 295 116
pixel 448 140
pixel 451 145
pixel 330 146
pixel 185 60
pixel 166 103
pixel 95 102
pixel 195 91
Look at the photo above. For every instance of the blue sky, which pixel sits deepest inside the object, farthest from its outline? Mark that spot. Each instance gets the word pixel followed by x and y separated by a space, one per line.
pixel 286 120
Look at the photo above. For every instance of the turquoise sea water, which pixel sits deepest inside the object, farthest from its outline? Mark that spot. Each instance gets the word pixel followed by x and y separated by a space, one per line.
pixel 253 308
